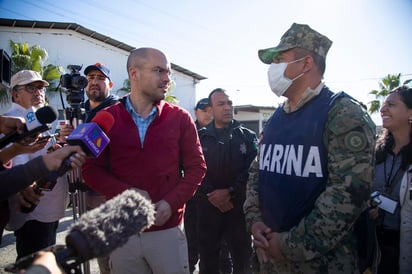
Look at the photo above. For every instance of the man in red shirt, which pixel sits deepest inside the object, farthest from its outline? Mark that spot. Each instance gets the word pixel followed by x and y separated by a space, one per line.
pixel 150 141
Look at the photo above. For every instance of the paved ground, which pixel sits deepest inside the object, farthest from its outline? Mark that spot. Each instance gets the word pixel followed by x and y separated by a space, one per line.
pixel 8 251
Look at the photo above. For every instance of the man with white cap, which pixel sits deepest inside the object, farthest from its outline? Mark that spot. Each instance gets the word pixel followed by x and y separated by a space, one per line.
pixel 315 168
pixel 36 229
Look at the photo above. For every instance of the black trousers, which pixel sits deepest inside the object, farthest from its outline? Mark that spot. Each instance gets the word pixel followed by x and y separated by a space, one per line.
pixel 388 241
pixel 215 226
pixel 192 237
pixel 191 231
pixel 34 236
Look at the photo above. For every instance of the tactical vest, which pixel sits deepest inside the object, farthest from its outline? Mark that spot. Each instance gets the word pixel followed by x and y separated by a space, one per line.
pixel 293 162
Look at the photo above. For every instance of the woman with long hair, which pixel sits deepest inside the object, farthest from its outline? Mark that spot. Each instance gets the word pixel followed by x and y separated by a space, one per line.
pixel 393 181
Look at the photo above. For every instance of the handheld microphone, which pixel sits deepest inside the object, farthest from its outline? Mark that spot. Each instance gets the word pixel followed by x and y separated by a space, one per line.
pixel 90 137
pixel 36 122
pixel 100 231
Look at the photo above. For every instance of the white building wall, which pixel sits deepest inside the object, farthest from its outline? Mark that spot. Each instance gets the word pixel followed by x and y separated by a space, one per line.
pixel 261 117
pixel 66 47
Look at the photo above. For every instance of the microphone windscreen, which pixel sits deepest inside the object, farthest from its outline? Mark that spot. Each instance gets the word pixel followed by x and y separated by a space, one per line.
pixel 46 114
pixel 100 231
pixel 104 119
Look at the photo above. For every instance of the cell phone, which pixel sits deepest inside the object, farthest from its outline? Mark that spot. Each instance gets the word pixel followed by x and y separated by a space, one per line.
pixel 42 138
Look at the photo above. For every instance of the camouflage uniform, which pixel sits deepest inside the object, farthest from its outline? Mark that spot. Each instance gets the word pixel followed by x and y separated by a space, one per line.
pixel 323 241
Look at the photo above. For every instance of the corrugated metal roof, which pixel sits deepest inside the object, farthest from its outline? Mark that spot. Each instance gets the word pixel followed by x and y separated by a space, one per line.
pixel 87 32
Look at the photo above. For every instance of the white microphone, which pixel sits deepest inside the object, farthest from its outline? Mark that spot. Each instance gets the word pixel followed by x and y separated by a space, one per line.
pixel 36 122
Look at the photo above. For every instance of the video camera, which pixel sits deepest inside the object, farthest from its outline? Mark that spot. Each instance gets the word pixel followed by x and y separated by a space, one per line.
pixel 75 84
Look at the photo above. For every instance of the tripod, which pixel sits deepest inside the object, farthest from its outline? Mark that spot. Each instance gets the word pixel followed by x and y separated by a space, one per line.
pixel 74 116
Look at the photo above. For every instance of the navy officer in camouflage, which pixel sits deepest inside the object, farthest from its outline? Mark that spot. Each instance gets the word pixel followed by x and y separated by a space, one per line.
pixel 314 171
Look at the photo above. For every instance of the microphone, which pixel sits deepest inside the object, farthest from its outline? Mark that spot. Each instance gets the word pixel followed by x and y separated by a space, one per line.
pixel 100 231
pixel 104 119
pixel 36 122
pixel 90 137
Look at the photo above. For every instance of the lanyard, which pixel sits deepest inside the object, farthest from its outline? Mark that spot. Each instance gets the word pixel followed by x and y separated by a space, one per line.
pixel 391 178
pixel 410 183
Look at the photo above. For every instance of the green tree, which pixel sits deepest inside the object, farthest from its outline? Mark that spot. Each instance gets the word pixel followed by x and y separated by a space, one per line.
pixel 34 58
pixel 387 84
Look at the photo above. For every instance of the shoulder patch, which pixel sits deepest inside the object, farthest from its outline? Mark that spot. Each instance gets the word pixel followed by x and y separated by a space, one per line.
pixel 355 141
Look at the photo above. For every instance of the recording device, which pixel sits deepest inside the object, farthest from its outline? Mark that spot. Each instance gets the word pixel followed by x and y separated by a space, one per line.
pixel 374 199
pixel 36 122
pixel 90 138
pixel 100 231
pixel 383 201
pixel 75 84
pixel 46 137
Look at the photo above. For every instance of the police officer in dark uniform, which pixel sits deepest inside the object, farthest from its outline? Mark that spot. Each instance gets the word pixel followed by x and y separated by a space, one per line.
pixel 229 149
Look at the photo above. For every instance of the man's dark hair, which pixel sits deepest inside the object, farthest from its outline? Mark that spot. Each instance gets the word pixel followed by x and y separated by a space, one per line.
pixel 213 92
pixel 317 59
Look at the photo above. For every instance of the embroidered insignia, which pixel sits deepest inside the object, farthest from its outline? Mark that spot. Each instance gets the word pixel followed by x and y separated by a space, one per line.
pixel 355 141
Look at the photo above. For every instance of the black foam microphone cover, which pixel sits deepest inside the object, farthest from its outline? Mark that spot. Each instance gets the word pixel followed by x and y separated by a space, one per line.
pixel 100 231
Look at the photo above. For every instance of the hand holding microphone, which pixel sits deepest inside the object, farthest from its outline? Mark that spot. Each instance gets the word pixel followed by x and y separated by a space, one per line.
pixel 74 157
pixel 100 231
pixel 9 124
pixel 92 140
pixel 36 122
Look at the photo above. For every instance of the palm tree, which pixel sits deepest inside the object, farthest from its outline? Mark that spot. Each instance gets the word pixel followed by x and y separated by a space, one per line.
pixel 33 58
pixel 386 85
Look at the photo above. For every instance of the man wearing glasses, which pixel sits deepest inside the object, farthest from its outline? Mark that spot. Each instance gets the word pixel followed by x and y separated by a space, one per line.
pixel 36 229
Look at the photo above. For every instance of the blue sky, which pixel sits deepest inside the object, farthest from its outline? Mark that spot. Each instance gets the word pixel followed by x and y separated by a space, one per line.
pixel 219 39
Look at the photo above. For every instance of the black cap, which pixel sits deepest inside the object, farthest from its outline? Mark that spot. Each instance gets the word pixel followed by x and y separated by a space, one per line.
pixel 202 104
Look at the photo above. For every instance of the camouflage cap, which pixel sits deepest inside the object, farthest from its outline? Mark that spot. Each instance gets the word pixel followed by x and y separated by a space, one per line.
pixel 298 36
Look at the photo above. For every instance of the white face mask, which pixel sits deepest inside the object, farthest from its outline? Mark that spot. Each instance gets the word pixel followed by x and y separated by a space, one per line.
pixel 276 75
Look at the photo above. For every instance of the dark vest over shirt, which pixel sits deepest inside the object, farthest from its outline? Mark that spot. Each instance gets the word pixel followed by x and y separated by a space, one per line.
pixel 293 162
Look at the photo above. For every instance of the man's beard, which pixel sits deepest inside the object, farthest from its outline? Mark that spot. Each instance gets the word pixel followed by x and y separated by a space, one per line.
pixel 97 97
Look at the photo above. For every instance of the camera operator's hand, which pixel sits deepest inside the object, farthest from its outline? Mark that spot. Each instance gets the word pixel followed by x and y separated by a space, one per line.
pixel 9 124
pixel 48 260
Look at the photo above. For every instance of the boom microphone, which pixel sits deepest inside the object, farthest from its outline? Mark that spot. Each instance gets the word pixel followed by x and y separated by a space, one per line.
pixel 100 231
pixel 36 122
